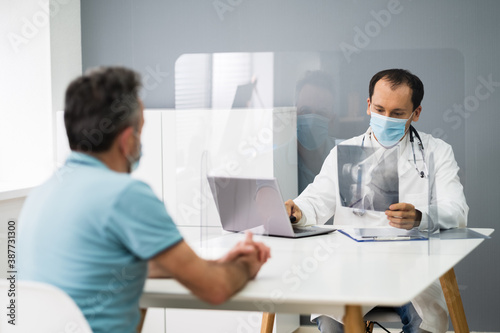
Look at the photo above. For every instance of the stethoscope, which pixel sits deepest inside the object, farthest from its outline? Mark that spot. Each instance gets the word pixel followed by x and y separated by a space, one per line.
pixel 422 174
pixel 421 148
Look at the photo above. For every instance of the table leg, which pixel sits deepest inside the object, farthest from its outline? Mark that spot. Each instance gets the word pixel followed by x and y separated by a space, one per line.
pixel 141 321
pixel 267 322
pixel 454 301
pixel 353 319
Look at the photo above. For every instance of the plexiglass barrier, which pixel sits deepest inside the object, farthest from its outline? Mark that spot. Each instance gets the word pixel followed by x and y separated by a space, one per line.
pixel 433 228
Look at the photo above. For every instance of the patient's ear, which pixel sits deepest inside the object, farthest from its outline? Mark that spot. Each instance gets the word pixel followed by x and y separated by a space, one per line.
pixel 126 143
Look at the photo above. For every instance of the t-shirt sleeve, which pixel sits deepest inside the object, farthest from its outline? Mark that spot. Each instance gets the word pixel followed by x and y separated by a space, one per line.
pixel 141 223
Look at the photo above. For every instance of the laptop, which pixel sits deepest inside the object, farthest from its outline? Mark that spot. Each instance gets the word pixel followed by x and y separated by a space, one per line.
pixel 255 205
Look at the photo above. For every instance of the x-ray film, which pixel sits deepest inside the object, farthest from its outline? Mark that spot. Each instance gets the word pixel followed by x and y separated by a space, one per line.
pixel 368 178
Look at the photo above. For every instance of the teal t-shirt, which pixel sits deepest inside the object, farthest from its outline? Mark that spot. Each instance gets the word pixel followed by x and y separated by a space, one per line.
pixel 90 231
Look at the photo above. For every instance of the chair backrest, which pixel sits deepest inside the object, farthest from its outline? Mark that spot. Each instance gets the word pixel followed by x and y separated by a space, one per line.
pixel 379 315
pixel 383 315
pixel 41 308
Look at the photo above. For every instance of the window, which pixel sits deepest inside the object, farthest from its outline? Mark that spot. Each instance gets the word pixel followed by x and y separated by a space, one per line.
pixel 25 85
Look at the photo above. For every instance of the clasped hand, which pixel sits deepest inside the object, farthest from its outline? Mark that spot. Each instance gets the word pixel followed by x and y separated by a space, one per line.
pixel 254 254
pixel 403 215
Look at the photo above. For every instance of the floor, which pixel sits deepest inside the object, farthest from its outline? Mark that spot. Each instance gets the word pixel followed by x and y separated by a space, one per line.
pixel 311 329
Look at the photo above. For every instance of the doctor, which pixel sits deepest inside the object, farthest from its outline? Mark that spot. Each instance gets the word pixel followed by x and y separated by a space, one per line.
pixel 393 104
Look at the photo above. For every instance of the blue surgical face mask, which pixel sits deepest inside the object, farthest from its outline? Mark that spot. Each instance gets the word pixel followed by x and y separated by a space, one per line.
pixel 312 130
pixel 134 160
pixel 388 131
pixel 135 164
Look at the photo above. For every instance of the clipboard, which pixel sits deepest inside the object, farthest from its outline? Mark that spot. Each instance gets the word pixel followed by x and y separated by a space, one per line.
pixel 388 234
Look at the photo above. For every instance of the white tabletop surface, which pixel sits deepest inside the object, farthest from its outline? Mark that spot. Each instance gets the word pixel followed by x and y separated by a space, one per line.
pixel 319 273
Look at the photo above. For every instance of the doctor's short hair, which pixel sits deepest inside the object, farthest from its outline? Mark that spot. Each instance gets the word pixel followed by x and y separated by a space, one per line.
pixel 398 77
pixel 99 105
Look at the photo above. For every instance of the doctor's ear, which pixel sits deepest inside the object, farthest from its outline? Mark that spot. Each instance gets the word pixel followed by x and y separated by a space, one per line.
pixel 416 113
pixel 368 107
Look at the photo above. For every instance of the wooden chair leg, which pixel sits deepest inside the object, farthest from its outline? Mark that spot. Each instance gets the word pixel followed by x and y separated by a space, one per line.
pixel 454 302
pixel 141 321
pixel 267 322
pixel 369 326
pixel 353 319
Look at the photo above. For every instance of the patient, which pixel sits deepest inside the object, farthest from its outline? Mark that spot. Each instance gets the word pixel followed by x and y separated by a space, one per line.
pixel 91 229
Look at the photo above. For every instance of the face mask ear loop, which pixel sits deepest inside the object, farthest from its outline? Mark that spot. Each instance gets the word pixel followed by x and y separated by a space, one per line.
pixel 409 127
pixel 133 161
pixel 406 132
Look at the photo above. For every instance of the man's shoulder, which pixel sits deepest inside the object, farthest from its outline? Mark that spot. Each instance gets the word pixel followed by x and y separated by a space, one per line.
pixel 428 140
pixel 124 188
pixel 109 180
pixel 87 182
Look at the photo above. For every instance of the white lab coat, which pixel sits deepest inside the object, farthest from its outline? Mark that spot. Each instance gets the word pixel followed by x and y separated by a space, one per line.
pixel 319 201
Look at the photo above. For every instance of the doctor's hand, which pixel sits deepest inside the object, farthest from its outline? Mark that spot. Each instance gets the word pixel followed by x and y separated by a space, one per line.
pixel 293 211
pixel 403 215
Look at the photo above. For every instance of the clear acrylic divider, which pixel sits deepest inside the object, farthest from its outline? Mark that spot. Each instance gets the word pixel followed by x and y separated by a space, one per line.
pixel 433 234
pixel 205 195
pixel 235 175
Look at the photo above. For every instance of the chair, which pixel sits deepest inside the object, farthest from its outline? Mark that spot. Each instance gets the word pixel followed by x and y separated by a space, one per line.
pixel 376 315
pixel 453 301
pixel 451 295
pixel 42 308
pixel 380 314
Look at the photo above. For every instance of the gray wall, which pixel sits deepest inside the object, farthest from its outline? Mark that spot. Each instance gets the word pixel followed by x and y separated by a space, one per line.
pixel 452 45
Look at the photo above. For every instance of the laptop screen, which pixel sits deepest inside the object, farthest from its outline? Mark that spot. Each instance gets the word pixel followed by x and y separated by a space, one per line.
pixel 245 203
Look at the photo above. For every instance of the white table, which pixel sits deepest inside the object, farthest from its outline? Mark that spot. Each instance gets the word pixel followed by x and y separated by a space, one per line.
pixel 319 274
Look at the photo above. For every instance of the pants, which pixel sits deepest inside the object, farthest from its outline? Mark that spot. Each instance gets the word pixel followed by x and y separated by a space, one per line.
pixel 409 318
